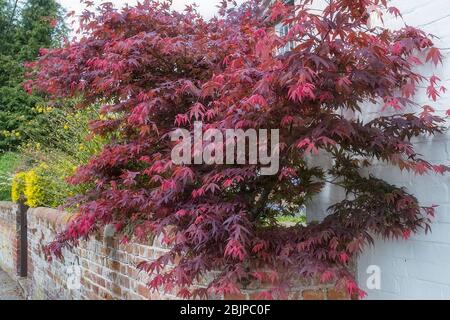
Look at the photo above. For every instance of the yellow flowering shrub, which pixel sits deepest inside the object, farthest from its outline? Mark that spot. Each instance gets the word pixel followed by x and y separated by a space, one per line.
pixel 18 186
pixel 53 157
pixel 34 188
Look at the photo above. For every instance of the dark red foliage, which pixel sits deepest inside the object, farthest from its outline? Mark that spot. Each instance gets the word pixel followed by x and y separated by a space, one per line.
pixel 153 70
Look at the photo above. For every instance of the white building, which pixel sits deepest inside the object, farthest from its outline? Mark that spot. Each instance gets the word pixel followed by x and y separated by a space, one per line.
pixel 420 267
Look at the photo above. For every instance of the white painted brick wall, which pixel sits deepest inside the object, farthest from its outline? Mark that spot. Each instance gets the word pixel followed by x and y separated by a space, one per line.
pixel 419 268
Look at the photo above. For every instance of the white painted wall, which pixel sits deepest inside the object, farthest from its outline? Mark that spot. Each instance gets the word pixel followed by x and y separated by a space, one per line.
pixel 419 268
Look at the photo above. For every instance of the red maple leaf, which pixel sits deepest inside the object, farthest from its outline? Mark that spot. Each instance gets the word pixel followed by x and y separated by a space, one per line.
pixel 435 55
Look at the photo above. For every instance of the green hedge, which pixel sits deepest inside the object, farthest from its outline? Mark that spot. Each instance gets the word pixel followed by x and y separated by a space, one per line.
pixel 9 163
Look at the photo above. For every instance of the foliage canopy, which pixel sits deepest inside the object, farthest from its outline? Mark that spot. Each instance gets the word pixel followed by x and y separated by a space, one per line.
pixel 154 70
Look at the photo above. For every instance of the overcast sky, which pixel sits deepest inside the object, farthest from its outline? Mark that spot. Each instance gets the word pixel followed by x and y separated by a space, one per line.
pixel 206 7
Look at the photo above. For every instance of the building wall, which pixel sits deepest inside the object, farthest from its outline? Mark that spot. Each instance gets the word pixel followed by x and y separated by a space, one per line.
pixel 419 268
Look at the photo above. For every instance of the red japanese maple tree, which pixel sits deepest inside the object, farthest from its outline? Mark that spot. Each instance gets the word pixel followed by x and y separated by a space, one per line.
pixel 154 70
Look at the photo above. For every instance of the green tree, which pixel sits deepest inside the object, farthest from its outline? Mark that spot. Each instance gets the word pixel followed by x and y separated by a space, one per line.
pixel 40 27
pixel 25 27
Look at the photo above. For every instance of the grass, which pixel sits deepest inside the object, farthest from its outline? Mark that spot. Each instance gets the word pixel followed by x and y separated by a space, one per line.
pixel 9 162
pixel 291 221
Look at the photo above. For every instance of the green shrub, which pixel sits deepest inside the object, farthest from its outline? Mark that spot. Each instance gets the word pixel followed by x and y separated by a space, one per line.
pixel 55 155
pixel 9 163
pixel 18 186
pixel 25 27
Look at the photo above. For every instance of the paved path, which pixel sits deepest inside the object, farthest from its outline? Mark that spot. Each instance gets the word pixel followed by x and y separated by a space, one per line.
pixel 9 290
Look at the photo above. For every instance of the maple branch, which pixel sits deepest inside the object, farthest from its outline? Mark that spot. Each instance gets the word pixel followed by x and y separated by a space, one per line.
pixel 258 210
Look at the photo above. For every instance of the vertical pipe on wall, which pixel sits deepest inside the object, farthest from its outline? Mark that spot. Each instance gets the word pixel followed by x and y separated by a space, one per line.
pixel 22 230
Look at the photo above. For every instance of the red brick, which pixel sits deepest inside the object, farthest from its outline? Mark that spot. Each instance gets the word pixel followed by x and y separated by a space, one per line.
pixel 335 294
pixel 236 296
pixel 115 265
pixel 313 295
pixel 105 295
pixel 100 281
pixel 143 291
pixel 124 281
pixel 116 290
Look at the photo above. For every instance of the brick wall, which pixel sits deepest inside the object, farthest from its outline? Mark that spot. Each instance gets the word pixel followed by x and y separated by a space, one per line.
pixel 108 268
pixel 9 238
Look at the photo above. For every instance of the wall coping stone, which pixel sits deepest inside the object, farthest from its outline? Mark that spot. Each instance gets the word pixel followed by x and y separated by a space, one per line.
pixel 55 217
